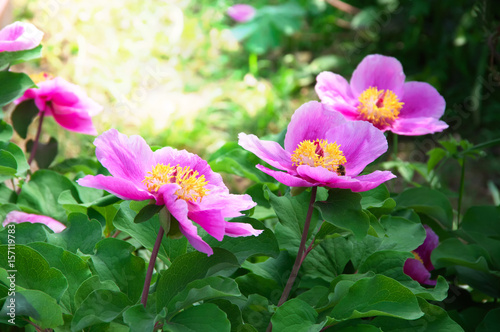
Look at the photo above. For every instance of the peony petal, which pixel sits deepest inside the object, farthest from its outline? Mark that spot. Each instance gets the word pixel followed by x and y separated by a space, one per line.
pixel 287 179
pixel 129 158
pixel 334 90
pixel 332 180
pixel 241 12
pixel 168 155
pixel 211 221
pixel 417 126
pixel 425 249
pixel 417 271
pixel 269 151
pixel 230 205
pixel 122 188
pixel 73 120
pixel 310 121
pixel 19 217
pixel 19 36
pixel 179 210
pixel 235 229
pixel 379 71
pixel 422 100
pixel 360 142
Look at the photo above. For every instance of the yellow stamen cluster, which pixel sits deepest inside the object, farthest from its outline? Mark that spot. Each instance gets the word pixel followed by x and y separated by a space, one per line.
pixel 380 107
pixel 192 185
pixel 417 257
pixel 319 153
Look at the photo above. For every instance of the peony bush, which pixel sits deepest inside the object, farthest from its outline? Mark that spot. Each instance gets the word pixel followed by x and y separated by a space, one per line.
pixel 151 238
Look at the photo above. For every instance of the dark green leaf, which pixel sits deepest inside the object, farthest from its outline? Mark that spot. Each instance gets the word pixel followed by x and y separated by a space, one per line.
pixel 343 209
pixel 138 319
pixel 427 201
pixel 23 115
pixel 100 306
pixel 45 152
pixel 491 322
pixel 13 85
pixel 187 268
pixel 147 212
pixel 296 315
pixel 91 284
pixel 33 271
pixel 11 58
pixel 206 317
pixel 113 260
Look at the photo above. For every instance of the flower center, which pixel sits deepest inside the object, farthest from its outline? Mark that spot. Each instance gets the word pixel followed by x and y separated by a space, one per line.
pixel 320 153
pixel 380 107
pixel 417 257
pixel 192 186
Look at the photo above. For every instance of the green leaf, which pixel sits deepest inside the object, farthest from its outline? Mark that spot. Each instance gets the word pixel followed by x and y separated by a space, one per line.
pixel 296 315
pixel 80 234
pixel 101 306
pixel 73 268
pixel 377 296
pixel 451 252
pixel 435 156
pixel 147 232
pixel 11 58
pixel 113 260
pixel 43 190
pixel 147 212
pixel 13 85
pixel 491 322
pixel 23 115
pixel 233 159
pixel 43 309
pixel 233 313
pixel 256 312
pixel 26 233
pixel 435 319
pixel 427 201
pixel 45 152
pixel 206 317
pixel 377 200
pixel 343 209
pixel 243 247
pixel 202 290
pixel 5 131
pixel 33 271
pixel 187 268
pixel 91 284
pixel 18 154
pixel 138 319
pixel 8 165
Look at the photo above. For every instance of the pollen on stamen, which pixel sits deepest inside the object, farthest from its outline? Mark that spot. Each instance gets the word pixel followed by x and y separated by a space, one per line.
pixel 319 153
pixel 417 257
pixel 380 107
pixel 192 185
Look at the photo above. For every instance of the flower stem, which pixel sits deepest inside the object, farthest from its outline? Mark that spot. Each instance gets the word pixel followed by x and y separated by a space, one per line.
pixel 461 192
pixel 300 254
pixel 37 138
pixel 152 260
pixel 395 145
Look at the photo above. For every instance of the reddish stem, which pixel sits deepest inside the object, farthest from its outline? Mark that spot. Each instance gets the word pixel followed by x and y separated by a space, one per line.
pixel 152 260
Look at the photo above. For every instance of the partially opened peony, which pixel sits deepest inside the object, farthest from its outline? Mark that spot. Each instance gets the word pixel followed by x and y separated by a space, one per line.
pixel 67 103
pixel 19 36
pixel 322 149
pixel 18 217
pixel 420 267
pixel 378 93
pixel 180 180
pixel 241 12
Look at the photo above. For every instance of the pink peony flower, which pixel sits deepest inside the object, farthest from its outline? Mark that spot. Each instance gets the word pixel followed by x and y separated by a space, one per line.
pixel 18 217
pixel 322 149
pixel 378 93
pixel 180 180
pixel 67 103
pixel 241 13
pixel 19 36
pixel 419 268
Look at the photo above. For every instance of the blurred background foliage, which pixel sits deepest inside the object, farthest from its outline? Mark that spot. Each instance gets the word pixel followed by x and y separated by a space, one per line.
pixel 182 73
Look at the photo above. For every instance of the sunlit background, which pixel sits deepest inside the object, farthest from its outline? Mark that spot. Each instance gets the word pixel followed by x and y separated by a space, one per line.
pixel 182 73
